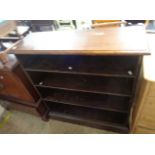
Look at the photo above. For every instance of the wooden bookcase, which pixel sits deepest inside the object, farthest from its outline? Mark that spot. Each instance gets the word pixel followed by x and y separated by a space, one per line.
pixel 85 92
pixel 84 77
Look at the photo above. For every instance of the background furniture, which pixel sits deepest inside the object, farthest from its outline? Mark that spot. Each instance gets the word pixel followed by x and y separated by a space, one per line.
pixel 104 21
pixel 10 28
pixel 107 23
pixel 91 78
pixel 16 87
pixel 144 111
pixel 43 25
pixel 150 26
pixel 135 22
pixel 7 42
pixel 21 31
pixel 6 27
pixel 66 24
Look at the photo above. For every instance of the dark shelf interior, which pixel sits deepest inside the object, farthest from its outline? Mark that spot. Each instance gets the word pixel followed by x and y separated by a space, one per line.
pixel 76 64
pixel 107 85
pixel 111 119
pixel 97 101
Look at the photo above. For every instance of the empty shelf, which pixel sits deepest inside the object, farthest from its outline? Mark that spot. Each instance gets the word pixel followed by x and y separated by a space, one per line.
pixel 106 102
pixel 104 119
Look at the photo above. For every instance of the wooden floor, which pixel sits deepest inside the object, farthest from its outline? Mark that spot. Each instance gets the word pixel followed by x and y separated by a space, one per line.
pixel 22 123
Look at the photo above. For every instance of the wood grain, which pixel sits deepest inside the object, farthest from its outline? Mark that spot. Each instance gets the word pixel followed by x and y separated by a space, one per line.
pixel 107 41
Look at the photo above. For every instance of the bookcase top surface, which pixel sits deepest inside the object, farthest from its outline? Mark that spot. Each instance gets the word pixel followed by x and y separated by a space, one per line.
pixel 101 41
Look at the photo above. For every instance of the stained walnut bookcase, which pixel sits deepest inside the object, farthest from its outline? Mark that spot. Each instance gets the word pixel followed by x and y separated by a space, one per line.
pixel 86 77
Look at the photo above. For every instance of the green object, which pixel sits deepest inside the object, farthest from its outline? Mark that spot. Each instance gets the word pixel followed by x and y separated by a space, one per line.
pixel 5 118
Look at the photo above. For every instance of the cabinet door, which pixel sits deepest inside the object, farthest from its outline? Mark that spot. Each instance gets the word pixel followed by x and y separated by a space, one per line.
pixel 12 86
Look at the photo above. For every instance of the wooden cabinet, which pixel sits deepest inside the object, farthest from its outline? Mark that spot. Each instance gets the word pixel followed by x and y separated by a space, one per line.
pixel 86 77
pixel 144 111
pixel 15 84
pixel 144 114
pixel 11 85
pixel 16 87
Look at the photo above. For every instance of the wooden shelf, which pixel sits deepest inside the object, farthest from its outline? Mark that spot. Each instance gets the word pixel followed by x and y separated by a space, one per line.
pixel 87 116
pixel 80 73
pixel 82 65
pixel 113 86
pixel 96 101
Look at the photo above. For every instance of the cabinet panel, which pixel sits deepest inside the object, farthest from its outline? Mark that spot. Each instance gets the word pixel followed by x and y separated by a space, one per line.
pixel 14 84
pixel 149 106
pixel 13 87
pixel 147 117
